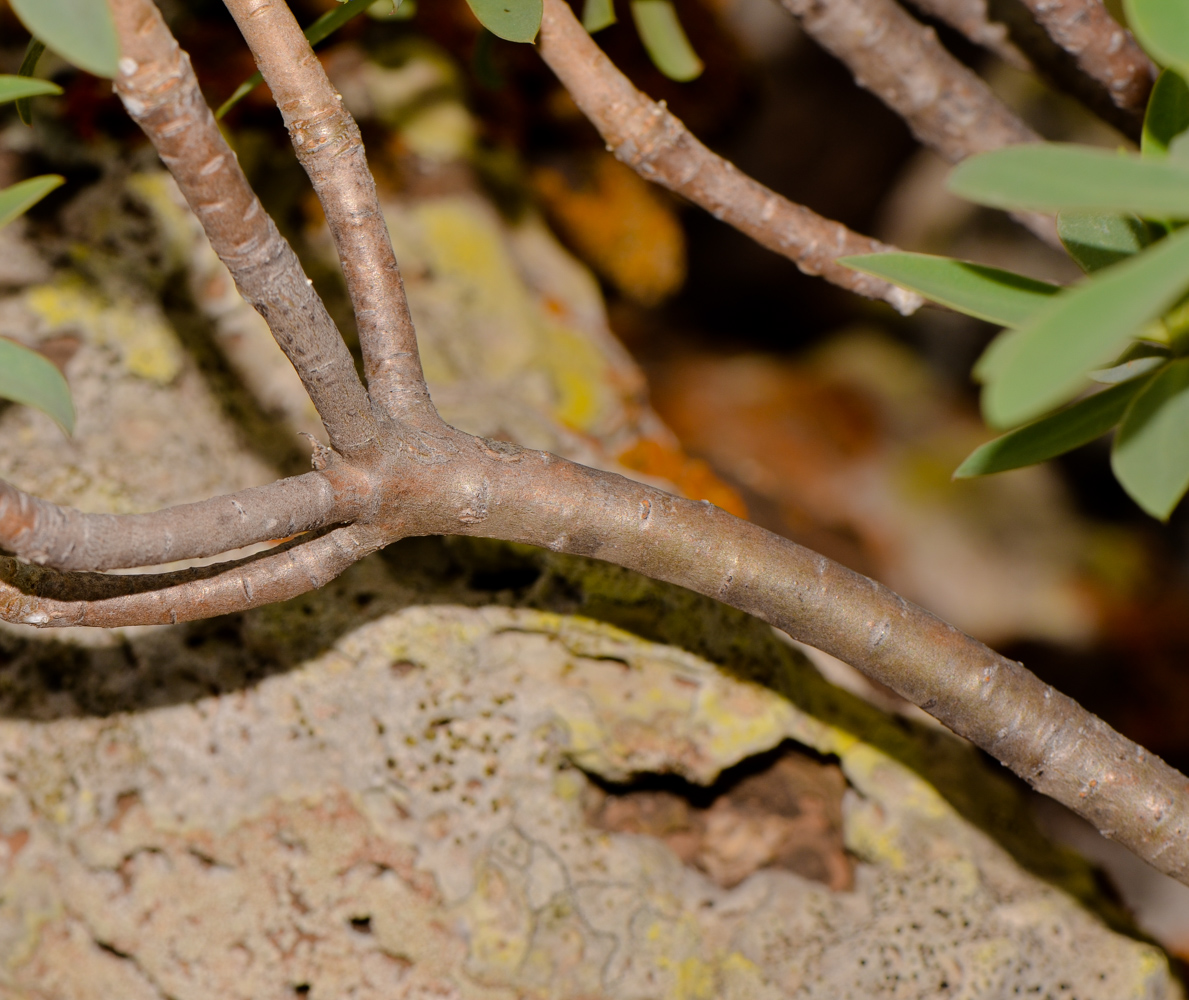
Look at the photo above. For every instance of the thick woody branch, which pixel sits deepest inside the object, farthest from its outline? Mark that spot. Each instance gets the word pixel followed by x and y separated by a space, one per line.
pixel 330 149
pixel 948 108
pixel 651 140
pixel 159 90
pixel 1045 737
pixel 67 539
pixel 32 595
pixel 1104 50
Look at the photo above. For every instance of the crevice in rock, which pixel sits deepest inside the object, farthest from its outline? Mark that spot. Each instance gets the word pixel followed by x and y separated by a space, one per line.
pixel 781 809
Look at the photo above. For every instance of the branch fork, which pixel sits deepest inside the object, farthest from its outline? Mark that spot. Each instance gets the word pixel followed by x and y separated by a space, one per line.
pixel 395 469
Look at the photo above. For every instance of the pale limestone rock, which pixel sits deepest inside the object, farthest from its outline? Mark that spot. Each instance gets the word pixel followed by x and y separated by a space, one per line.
pixel 401 817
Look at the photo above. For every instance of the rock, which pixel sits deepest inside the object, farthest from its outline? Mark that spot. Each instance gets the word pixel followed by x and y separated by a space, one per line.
pixel 402 816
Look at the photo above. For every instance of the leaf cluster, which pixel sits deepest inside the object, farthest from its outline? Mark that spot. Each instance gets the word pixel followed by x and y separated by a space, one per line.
pixel 1110 352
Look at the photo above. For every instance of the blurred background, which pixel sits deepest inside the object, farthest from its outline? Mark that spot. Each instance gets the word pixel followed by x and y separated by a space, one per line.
pixel 566 304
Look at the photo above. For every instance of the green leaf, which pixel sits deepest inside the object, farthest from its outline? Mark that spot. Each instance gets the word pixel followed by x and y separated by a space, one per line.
pixel 80 31
pixel 993 360
pixel 511 20
pixel 975 289
pixel 1054 435
pixel 1053 177
pixel 319 31
pixel 598 14
pixel 1150 456
pixel 33 53
pixel 1139 359
pixel 32 379
pixel 19 198
pixel 1043 364
pixel 1167 115
pixel 664 38
pixel 13 88
pixel 1162 27
pixel 1096 240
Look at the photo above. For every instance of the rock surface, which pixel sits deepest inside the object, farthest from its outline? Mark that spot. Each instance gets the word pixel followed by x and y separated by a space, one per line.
pixel 402 816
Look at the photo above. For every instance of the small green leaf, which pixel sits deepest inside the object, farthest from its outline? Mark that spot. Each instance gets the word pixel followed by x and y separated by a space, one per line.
pixel 1139 359
pixel 664 38
pixel 1054 177
pixel 1096 240
pixel 1043 364
pixel 511 20
pixel 80 31
pixel 319 31
pixel 975 289
pixel 19 198
pixel 598 14
pixel 1150 456
pixel 13 88
pixel 32 379
pixel 1167 115
pixel 1076 425
pixel 1162 27
pixel 33 53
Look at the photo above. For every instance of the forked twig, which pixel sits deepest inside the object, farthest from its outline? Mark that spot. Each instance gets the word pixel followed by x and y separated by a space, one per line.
pixel 424 477
pixel 157 85
pixel 330 149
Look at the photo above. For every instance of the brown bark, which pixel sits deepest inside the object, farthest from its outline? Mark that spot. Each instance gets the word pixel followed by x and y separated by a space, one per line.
pixel 160 92
pixel 330 149
pixel 46 534
pixel 48 598
pixel 652 141
pixel 972 19
pixel 948 108
pixel 1105 51
pixel 423 477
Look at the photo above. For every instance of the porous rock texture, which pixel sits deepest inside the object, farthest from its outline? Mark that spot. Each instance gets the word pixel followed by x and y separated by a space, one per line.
pixel 402 816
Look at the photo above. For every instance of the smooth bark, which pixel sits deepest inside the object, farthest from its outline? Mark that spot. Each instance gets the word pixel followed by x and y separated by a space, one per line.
pixel 652 141
pixel 160 92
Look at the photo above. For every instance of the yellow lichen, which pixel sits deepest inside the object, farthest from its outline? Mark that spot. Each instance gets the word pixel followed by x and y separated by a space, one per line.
pixel 136 331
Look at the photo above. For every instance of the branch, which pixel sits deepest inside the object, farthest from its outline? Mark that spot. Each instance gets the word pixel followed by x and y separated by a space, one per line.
pixel 329 147
pixel 971 19
pixel 160 92
pixel 44 533
pixel 31 595
pixel 651 140
pixel 948 108
pixel 1045 737
pixel 1104 50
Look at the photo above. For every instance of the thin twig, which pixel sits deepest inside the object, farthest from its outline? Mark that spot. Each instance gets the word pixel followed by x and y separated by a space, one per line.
pixel 157 85
pixel 1105 51
pixel 67 539
pixel 33 595
pixel 948 108
pixel 330 149
pixel 650 139
pixel 972 19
